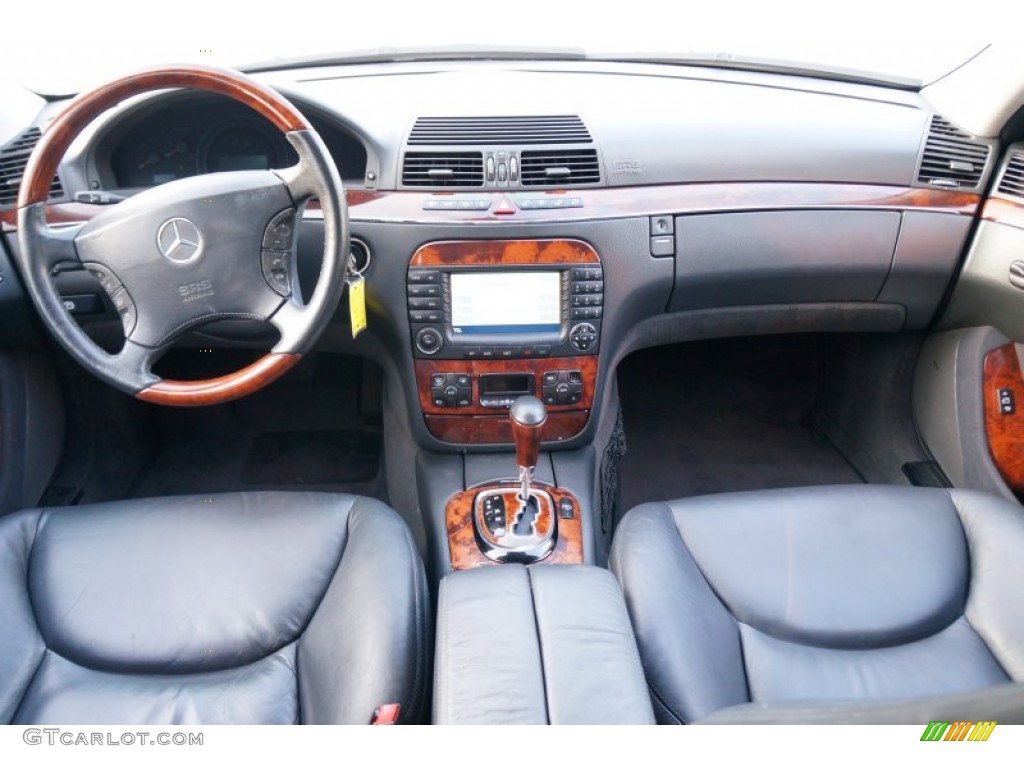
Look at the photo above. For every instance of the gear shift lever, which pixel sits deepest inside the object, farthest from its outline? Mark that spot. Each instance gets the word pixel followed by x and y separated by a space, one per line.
pixel 528 415
pixel 518 524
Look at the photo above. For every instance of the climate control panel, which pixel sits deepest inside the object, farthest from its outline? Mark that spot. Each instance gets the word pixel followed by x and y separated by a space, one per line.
pixel 467 401
pixel 451 390
pixel 562 387
pixel 462 389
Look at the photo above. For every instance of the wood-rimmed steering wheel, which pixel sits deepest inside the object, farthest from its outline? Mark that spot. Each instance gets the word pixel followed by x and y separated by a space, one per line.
pixel 210 247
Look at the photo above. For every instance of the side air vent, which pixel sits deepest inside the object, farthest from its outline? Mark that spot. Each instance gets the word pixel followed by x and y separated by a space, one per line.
pixel 496 131
pixel 443 169
pixel 951 157
pixel 565 168
pixel 13 159
pixel 1012 182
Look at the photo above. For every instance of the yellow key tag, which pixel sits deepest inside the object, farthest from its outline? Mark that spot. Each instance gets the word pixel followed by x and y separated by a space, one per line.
pixel 357 304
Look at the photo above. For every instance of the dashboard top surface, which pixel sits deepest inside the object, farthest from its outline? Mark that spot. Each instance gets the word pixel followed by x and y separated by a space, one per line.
pixel 648 125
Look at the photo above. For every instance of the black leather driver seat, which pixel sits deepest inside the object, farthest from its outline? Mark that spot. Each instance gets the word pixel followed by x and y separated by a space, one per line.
pixel 231 608
pixel 749 605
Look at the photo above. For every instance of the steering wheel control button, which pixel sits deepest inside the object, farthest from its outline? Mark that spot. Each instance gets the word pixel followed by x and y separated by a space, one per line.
pixel 428 341
pixel 280 232
pixel 117 294
pixel 180 241
pixel 108 282
pixel 275 271
pixel 126 309
pixel 582 336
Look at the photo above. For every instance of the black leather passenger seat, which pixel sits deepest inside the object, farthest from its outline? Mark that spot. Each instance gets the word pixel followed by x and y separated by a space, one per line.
pixel 232 608
pixel 840 596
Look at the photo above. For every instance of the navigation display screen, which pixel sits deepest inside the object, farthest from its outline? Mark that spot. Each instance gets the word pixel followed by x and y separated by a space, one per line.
pixel 506 302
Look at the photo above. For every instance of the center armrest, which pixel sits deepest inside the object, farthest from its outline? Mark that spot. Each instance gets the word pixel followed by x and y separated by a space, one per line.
pixel 535 645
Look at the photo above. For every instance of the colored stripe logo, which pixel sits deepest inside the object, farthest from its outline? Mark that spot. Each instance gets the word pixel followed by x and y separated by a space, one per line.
pixel 958 730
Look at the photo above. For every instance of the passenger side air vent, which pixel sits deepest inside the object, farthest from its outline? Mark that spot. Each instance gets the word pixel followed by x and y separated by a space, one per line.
pixel 494 131
pixel 1012 182
pixel 13 159
pixel 443 169
pixel 559 168
pixel 952 158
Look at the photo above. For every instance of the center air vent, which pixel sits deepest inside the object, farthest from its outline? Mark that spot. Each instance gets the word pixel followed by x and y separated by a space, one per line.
pixel 443 169
pixel 499 131
pixel 559 168
pixel 13 160
pixel 1012 182
pixel 952 158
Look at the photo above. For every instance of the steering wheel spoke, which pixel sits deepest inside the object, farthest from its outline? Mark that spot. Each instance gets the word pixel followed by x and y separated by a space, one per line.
pixel 55 246
pixel 136 361
pixel 289 321
pixel 300 181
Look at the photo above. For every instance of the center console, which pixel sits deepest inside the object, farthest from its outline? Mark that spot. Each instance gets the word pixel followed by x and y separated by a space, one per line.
pixel 554 644
pixel 492 320
pixel 525 522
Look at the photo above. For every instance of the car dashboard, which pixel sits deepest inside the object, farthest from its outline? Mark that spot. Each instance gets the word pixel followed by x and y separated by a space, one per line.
pixel 648 203
pixel 517 229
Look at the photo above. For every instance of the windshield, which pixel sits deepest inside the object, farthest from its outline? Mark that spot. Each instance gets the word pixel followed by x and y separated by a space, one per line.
pixel 66 58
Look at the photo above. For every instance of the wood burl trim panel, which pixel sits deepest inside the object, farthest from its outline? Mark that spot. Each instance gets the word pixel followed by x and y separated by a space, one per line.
pixel 465 552
pixel 1005 431
pixel 220 390
pixel 474 253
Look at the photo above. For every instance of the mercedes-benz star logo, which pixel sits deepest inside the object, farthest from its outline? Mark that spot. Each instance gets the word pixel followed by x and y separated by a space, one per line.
pixel 179 240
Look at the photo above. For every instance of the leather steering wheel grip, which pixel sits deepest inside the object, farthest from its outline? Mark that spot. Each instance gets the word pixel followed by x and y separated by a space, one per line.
pixel 320 178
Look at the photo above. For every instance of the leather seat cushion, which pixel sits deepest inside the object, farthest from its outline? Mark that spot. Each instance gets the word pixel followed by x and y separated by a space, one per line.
pixel 230 608
pixel 827 593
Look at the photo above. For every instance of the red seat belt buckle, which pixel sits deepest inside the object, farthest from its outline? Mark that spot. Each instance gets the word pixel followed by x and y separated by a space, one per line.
pixel 386 714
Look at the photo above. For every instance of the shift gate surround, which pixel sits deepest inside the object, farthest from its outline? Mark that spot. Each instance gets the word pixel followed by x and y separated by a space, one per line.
pixel 510 531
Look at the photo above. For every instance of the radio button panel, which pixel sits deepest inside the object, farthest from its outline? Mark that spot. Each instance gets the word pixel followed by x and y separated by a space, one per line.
pixel 428 292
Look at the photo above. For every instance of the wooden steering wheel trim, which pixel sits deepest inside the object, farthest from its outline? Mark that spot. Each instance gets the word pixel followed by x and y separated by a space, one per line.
pixel 42 167
pixel 212 391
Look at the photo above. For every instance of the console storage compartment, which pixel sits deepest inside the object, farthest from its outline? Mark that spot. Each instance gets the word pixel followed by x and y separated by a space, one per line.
pixel 520 645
